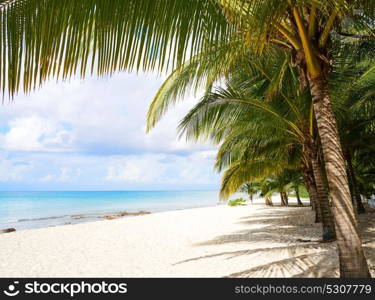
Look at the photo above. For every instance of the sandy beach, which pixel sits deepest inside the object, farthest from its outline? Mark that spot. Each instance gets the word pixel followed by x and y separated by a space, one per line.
pixel 220 241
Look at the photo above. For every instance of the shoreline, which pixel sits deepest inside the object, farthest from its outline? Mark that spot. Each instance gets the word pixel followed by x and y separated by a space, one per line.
pixel 28 210
pixel 218 241
pixel 87 218
pixel 74 219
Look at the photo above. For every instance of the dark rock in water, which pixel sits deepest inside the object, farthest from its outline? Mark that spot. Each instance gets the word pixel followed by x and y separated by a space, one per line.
pixel 138 213
pixel 6 230
pixel 126 214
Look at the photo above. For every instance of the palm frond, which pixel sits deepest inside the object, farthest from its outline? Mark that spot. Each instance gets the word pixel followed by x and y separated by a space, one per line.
pixel 200 72
pixel 40 39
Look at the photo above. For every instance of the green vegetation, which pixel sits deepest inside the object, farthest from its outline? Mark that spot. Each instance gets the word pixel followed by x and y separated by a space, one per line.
pixel 302 192
pixel 237 202
pixel 250 188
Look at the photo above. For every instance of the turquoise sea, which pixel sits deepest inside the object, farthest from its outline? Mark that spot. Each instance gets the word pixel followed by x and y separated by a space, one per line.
pixel 25 210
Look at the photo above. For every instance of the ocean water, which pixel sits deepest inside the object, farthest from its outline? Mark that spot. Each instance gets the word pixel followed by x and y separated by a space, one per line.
pixel 26 210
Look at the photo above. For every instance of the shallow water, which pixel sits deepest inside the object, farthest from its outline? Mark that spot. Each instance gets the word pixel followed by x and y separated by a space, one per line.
pixel 25 210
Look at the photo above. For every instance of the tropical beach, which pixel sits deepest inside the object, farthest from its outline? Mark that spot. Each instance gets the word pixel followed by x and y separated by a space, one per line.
pixel 195 138
pixel 220 241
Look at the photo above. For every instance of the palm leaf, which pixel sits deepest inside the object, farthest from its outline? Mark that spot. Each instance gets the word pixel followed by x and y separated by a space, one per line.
pixel 53 38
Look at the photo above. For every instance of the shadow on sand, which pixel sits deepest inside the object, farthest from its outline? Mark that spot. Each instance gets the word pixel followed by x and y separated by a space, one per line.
pixel 303 255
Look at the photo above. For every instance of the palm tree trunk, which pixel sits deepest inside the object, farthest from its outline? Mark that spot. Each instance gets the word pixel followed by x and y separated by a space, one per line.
pixel 352 259
pixel 286 200
pixel 322 195
pixel 282 199
pixel 299 202
pixel 316 205
pixel 268 201
pixel 356 195
pixel 309 179
pixel 351 188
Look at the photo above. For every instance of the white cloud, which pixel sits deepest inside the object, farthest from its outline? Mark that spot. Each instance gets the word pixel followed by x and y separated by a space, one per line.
pixel 65 175
pixel 67 171
pixel 139 169
pixel 195 168
pixel 12 169
pixel 36 134
pixel 104 116
pixel 91 135
pixel 48 178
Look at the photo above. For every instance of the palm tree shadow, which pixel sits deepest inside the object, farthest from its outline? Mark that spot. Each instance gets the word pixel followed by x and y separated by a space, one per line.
pixel 290 250
pixel 267 225
pixel 300 255
pixel 306 265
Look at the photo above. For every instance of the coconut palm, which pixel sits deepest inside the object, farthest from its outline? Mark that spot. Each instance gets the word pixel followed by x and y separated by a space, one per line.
pixel 282 185
pixel 277 184
pixel 251 189
pixel 355 105
pixel 295 25
pixel 52 38
pixel 261 137
pixel 256 142
pixel 316 159
pixel 266 191
pixel 294 177
pixel 311 57
pixel 364 165
pixel 204 119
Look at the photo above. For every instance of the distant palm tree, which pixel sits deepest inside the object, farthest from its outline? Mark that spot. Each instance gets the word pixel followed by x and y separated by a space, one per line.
pixel 294 179
pixel 281 184
pixel 251 189
pixel 267 190
pixel 277 183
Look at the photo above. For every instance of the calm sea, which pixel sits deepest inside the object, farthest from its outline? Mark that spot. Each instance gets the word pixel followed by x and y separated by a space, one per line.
pixel 25 210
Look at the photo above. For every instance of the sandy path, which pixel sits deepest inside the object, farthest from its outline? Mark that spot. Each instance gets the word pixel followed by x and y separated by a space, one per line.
pixel 217 241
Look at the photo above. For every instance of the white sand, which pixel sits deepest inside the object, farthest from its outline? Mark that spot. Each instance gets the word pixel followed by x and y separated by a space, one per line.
pixel 220 241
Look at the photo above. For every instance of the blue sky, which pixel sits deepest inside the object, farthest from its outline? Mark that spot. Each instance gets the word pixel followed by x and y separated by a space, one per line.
pixel 90 135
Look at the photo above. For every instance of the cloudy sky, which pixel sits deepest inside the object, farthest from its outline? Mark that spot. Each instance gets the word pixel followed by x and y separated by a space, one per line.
pixel 90 135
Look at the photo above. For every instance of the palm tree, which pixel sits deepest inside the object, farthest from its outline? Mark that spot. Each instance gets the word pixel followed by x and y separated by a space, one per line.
pixel 52 38
pixel 310 50
pixel 250 188
pixel 294 177
pixel 310 184
pixel 355 105
pixel 364 165
pixel 261 137
pixel 266 191
pixel 276 184
pixel 281 184
pixel 306 29
pixel 207 112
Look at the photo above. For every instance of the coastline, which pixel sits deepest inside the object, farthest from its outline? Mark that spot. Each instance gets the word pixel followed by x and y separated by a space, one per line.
pixel 31 210
pixel 55 221
pixel 218 241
